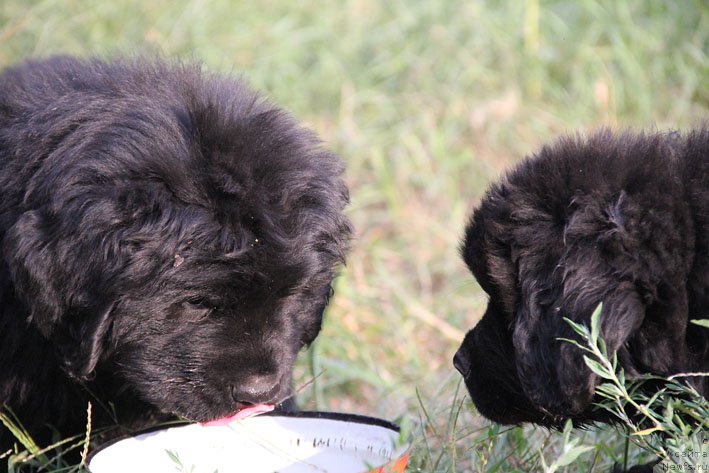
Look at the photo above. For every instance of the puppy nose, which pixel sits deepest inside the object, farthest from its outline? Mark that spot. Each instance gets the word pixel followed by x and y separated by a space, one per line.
pixel 461 362
pixel 256 388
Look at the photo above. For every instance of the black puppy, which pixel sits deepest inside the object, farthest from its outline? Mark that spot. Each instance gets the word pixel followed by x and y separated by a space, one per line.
pixel 168 243
pixel 622 220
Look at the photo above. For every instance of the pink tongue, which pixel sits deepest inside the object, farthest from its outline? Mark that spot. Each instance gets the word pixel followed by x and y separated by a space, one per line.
pixel 242 413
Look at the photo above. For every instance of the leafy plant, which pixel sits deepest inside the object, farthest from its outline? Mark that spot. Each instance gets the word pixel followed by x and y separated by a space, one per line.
pixel 666 416
pixel 570 451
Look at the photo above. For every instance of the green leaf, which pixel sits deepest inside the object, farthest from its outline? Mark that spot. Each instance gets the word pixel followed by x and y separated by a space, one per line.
pixel 701 322
pixel 609 390
pixel 571 455
pixel 642 433
pixel 602 347
pixel 173 456
pixel 595 323
pixel 574 342
pixel 597 368
pixel 578 328
pixel 567 430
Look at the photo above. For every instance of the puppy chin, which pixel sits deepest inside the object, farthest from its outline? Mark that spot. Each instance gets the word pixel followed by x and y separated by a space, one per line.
pixel 214 404
pixel 488 364
pixel 500 398
pixel 486 361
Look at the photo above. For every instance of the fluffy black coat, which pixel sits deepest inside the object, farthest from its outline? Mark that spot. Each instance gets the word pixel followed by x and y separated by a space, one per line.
pixel 619 219
pixel 168 237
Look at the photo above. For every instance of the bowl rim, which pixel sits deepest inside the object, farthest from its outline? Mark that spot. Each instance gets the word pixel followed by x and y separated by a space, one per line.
pixel 326 415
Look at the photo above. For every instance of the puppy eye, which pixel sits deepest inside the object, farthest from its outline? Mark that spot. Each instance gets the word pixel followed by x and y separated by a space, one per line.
pixel 198 307
pixel 195 302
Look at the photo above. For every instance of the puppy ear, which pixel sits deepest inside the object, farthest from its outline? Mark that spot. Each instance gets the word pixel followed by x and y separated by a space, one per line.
pixel 552 371
pixel 486 249
pixel 633 254
pixel 53 279
pixel 612 254
pixel 84 345
pixel 29 249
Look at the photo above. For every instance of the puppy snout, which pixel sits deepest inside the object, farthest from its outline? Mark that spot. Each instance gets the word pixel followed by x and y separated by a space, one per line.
pixel 461 361
pixel 256 388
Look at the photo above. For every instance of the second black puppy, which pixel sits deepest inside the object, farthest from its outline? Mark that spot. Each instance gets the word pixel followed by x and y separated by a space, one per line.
pixel 618 219
pixel 168 243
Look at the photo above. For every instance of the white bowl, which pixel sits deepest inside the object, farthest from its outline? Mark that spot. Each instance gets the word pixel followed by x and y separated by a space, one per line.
pixel 302 442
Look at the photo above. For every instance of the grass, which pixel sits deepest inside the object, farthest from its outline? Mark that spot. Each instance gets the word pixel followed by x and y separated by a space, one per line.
pixel 427 102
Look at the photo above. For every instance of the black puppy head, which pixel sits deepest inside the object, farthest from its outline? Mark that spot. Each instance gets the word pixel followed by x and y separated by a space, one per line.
pixel 184 235
pixel 580 223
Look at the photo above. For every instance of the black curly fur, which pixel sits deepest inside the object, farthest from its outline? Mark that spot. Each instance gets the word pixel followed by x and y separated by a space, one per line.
pixel 619 219
pixel 168 239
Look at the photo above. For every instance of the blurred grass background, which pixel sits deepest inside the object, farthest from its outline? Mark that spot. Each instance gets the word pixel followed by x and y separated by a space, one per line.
pixel 427 101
